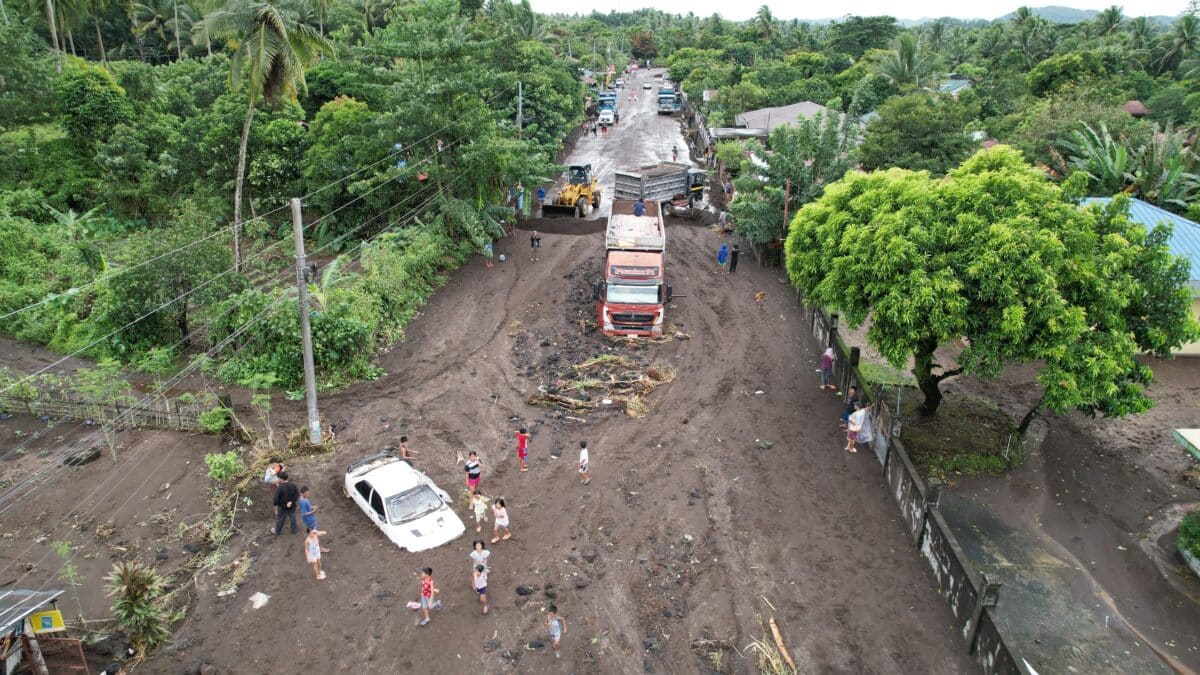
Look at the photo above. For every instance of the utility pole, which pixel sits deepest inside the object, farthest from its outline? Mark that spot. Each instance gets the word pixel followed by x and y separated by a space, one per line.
pixel 310 371
pixel 520 106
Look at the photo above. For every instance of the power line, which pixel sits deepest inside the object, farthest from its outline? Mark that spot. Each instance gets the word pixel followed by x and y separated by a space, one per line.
pixel 259 316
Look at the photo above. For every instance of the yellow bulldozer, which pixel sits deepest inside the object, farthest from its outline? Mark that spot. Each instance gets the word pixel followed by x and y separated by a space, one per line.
pixel 578 196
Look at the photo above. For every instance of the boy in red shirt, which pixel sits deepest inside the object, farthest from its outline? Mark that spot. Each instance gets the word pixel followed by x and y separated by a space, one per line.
pixel 523 446
pixel 428 590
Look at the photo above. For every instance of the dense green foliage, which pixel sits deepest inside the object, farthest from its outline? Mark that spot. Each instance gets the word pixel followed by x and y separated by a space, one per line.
pixel 1188 538
pixel 998 256
pixel 121 178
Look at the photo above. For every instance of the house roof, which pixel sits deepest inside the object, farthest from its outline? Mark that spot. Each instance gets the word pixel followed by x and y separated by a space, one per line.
pixel 1185 235
pixel 1135 108
pixel 953 86
pixel 770 118
pixel 17 604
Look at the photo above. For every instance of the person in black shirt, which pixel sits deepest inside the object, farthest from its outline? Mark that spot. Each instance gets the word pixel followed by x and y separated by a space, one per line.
pixel 287 495
pixel 733 256
pixel 851 404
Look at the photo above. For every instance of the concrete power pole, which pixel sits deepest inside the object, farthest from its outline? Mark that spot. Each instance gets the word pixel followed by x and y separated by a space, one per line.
pixel 520 106
pixel 310 372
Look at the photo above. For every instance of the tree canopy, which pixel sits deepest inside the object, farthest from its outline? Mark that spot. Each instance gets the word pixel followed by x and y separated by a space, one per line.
pixel 999 257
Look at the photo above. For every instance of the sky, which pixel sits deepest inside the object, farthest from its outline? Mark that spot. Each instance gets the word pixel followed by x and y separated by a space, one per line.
pixel 797 9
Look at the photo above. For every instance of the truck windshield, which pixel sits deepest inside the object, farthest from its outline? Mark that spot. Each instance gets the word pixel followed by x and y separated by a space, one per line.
pixel 640 295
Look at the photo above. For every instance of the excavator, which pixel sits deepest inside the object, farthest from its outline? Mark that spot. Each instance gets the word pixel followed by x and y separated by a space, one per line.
pixel 578 197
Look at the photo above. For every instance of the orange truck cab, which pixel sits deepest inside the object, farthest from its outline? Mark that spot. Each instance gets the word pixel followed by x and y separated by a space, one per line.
pixel 632 297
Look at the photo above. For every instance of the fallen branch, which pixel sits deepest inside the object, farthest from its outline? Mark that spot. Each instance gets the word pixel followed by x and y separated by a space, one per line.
pixel 780 646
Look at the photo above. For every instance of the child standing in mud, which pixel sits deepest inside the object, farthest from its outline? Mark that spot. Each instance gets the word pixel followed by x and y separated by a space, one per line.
pixel 428 590
pixel 584 478
pixel 500 513
pixel 557 625
pixel 523 446
pixel 474 469
pixel 479 508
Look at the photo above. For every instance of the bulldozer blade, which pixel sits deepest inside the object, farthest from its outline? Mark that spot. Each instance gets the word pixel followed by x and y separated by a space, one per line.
pixel 556 210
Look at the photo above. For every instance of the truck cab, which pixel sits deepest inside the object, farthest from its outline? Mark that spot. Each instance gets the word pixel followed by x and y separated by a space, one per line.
pixel 631 299
pixel 607 118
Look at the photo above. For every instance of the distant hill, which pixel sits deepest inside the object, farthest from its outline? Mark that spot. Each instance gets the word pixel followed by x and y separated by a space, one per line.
pixel 1059 14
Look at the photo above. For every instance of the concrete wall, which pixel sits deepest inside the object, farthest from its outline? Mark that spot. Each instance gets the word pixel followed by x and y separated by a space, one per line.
pixel 990 650
pixel 953 577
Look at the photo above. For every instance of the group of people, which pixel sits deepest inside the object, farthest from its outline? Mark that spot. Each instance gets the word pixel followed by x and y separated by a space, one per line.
pixel 287 499
pixel 480 556
pixel 727 258
pixel 855 416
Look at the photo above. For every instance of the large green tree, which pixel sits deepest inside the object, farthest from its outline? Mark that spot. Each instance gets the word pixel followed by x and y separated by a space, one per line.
pixel 271 49
pixel 922 130
pixel 1001 258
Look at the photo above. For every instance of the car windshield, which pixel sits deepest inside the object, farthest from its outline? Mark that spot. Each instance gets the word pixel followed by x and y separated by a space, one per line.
pixel 412 504
pixel 640 295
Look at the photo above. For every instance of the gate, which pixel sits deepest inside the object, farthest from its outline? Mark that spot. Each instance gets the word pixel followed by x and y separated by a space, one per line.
pixel 61 655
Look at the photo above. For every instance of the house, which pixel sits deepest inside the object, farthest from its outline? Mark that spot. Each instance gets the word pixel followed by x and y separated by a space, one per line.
pixel 1136 108
pixel 770 118
pixel 711 95
pixel 1184 241
pixel 953 85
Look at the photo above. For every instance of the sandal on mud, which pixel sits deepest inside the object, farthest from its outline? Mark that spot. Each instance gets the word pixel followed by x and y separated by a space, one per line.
pixel 321 576
pixel 495 540
pixel 424 622
pixel 507 537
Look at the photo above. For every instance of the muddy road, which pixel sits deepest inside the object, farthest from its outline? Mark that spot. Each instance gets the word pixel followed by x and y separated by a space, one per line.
pixel 717 502
pixel 729 502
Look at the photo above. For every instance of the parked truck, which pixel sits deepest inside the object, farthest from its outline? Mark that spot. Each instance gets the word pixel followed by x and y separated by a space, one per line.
pixel 672 185
pixel 608 101
pixel 631 299
pixel 669 101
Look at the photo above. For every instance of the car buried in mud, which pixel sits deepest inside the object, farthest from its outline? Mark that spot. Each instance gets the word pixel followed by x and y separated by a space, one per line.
pixel 403 502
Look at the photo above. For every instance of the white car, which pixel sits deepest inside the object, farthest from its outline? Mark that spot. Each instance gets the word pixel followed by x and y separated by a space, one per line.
pixel 647 85
pixel 413 512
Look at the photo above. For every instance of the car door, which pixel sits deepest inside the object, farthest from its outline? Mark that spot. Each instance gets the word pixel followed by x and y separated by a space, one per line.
pixel 369 500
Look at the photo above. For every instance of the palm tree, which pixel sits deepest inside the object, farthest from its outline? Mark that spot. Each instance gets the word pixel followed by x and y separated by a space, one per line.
pixel 1109 21
pixel 906 63
pixel 1023 16
pixel 764 24
pixel 1180 43
pixel 97 8
pixel 270 51
pixel 937 35
pixel 1141 32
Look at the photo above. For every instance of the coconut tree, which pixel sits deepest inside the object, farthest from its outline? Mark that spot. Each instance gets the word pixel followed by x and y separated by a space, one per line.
pixel 270 52
pixel 765 24
pixel 1109 21
pixel 1180 43
pixel 97 8
pixel 907 63
pixel 1141 33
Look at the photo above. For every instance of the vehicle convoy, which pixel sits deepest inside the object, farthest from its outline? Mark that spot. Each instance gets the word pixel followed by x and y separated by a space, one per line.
pixel 608 101
pixel 578 196
pixel 632 297
pixel 413 512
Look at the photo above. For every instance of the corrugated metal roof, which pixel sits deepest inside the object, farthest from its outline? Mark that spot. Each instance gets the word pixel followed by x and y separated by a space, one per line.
pixel 1185 237
pixel 17 604
pixel 953 87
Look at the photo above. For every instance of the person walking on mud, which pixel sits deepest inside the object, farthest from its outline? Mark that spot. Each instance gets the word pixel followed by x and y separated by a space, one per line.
pixel 733 256
pixel 523 447
pixel 674 154
pixel 479 583
pixel 479 508
pixel 406 453
pixel 308 513
pixel 500 515
pixel 428 591
pixel 312 552
pixel 857 420
pixel 827 360
pixel 557 626
pixel 286 497
pixel 474 471
pixel 723 256
pixel 535 243
pixel 584 478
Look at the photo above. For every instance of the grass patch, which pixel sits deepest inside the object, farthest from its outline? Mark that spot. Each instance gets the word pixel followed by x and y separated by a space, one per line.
pixel 968 436
pixel 883 374
pixel 1188 538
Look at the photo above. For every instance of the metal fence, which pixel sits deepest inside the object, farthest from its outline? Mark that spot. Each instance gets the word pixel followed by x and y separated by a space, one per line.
pixel 162 413
pixel 970 595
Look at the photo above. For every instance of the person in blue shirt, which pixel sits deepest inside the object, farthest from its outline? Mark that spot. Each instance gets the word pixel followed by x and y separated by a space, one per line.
pixel 723 255
pixel 308 512
pixel 639 209
pixel 541 196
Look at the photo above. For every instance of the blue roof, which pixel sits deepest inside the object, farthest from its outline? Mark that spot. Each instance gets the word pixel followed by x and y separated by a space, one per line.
pixel 1185 237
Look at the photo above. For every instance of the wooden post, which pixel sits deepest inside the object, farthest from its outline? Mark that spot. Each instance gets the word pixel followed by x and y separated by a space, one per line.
pixel 37 663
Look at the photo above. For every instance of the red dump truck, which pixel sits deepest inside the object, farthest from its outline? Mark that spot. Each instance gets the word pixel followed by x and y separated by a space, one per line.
pixel 632 297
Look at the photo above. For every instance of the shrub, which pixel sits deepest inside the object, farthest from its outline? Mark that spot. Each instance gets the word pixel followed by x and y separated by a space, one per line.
pixel 223 466
pixel 1188 538
pixel 136 589
pixel 214 420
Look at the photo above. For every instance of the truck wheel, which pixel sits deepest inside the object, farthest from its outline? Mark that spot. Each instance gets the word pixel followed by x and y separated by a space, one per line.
pixel 580 207
pixel 596 201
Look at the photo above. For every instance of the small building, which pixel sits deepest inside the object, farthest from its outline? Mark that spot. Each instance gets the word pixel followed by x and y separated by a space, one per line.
pixel 1136 108
pixel 30 624
pixel 1184 242
pixel 770 118
pixel 711 95
pixel 953 85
